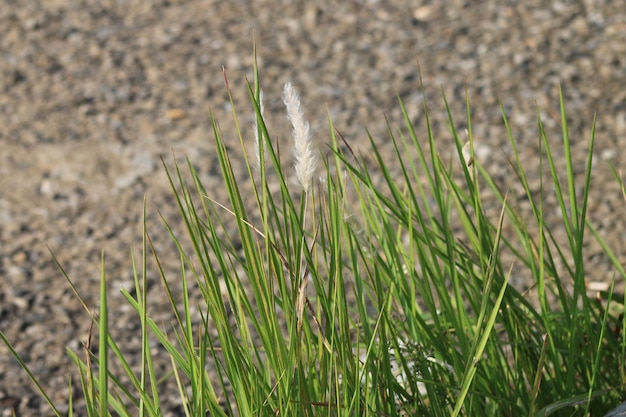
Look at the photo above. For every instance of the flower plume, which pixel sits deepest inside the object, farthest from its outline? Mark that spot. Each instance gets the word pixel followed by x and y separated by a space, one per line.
pixel 257 141
pixel 305 159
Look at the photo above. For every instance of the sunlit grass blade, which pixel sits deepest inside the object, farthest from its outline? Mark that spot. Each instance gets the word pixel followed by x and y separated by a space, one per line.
pixel 103 345
pixel 481 340
pixel 18 358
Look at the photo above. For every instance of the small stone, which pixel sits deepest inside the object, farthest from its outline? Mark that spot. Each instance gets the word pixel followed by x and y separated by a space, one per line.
pixel 422 13
pixel 175 114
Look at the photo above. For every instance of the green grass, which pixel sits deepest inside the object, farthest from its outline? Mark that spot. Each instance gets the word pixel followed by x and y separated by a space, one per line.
pixel 356 299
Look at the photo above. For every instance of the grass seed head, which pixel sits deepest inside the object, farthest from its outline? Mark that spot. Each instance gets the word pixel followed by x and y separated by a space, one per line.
pixel 257 140
pixel 305 159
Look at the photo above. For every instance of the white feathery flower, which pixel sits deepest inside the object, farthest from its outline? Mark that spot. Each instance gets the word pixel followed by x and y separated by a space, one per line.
pixel 467 156
pixel 305 159
pixel 467 152
pixel 257 145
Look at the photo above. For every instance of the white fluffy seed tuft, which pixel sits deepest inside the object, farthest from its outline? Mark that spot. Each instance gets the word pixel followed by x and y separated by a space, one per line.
pixel 305 159
pixel 467 152
pixel 257 144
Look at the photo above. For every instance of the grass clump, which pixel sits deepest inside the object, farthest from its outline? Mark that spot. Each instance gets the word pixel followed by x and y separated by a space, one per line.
pixel 342 297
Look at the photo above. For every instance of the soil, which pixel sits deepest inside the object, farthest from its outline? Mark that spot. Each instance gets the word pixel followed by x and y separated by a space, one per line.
pixel 94 93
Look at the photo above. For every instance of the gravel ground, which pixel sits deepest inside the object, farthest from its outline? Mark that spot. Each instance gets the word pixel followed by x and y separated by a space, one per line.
pixel 93 93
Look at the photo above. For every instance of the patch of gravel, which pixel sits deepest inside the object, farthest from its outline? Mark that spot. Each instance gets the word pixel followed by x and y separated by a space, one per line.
pixel 93 93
